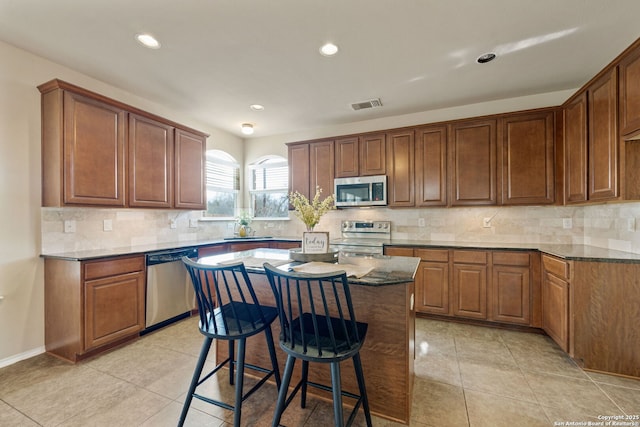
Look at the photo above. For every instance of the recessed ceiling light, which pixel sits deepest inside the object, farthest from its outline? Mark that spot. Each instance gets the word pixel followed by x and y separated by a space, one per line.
pixel 256 107
pixel 487 57
pixel 328 49
pixel 148 40
pixel 247 128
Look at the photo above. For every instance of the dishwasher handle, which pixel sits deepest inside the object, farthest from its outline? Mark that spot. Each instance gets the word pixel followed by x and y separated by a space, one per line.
pixel 162 257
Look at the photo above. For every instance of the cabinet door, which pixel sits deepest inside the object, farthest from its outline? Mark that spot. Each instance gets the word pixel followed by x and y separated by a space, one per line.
pixel 94 147
pixel 150 163
pixel 575 150
pixel 299 175
pixel 555 309
pixel 630 93
pixel 189 172
pixel 473 166
pixel 114 308
pixel 347 157
pixel 400 161
pixel 527 162
pixel 321 167
pixel 432 288
pixel 470 290
pixel 603 138
pixel 510 294
pixel 431 166
pixel 373 150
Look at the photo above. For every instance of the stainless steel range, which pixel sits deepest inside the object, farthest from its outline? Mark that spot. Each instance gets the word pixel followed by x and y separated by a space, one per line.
pixel 363 238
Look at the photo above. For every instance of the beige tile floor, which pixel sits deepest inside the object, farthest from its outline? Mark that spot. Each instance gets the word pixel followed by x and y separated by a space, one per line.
pixel 465 376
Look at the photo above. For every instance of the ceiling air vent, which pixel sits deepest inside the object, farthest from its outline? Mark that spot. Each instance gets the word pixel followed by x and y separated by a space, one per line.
pixel 372 103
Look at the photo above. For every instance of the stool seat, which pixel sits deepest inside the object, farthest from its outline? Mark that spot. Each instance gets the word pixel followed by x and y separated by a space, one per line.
pixel 318 325
pixel 229 311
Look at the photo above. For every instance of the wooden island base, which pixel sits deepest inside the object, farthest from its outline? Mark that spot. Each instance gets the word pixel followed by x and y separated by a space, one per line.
pixel 387 354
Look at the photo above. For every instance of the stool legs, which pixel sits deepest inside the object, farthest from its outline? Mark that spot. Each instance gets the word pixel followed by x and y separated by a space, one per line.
pixel 336 389
pixel 282 391
pixel 204 351
pixel 239 382
pixel 272 355
pixel 363 390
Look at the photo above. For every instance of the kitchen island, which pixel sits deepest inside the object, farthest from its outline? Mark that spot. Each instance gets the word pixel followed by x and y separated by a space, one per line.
pixel 383 298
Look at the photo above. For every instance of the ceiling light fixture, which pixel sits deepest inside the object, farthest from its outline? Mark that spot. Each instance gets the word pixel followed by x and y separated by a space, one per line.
pixel 487 57
pixel 256 107
pixel 247 128
pixel 328 49
pixel 148 40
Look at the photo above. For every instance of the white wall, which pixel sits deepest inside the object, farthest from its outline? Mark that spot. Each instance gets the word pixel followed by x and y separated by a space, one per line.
pixel 21 269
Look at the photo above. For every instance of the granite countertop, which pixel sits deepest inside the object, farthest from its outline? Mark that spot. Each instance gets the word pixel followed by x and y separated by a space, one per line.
pixel 88 254
pixel 568 252
pixel 386 270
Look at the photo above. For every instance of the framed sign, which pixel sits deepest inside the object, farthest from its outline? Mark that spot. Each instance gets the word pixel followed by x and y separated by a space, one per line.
pixel 315 242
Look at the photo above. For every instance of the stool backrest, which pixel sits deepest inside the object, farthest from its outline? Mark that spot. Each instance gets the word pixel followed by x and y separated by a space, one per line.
pixel 225 290
pixel 316 313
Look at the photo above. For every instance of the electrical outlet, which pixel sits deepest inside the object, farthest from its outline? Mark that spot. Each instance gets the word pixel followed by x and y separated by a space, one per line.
pixel 631 224
pixel 173 224
pixel 420 222
pixel 70 226
pixel 567 223
pixel 193 222
pixel 486 222
pixel 107 225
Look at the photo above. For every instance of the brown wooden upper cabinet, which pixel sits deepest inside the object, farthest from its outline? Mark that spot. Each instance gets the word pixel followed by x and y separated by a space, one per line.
pixel 85 146
pixel 527 158
pixel 473 163
pixel 602 97
pixel 630 92
pixel 347 157
pixel 591 142
pixel 361 155
pixel 83 150
pixel 431 166
pixel 400 167
pixel 189 184
pixel 321 161
pixel 575 149
pixel 311 164
pixel 150 162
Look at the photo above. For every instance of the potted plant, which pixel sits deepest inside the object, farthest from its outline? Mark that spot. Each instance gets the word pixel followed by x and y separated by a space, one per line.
pixel 244 220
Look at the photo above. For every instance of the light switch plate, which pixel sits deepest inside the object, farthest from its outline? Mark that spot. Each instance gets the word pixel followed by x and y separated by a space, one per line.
pixel 193 222
pixel 567 223
pixel 69 226
pixel 107 225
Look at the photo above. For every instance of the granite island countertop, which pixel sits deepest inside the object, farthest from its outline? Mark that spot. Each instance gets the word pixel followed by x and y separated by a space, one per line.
pixel 385 270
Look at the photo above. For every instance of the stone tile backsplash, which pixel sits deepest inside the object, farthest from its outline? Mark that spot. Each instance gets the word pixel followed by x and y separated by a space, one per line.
pixel 612 226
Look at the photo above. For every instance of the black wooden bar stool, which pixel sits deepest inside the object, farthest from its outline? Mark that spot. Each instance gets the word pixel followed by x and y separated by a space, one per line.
pixel 318 325
pixel 229 311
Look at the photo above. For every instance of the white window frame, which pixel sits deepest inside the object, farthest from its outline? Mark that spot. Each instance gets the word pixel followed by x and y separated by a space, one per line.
pixel 268 162
pixel 223 158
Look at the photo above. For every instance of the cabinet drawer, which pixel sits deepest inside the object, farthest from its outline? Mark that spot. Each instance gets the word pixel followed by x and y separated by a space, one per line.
pixel 556 266
pixel 511 258
pixel 434 255
pixel 112 267
pixel 397 251
pixel 470 257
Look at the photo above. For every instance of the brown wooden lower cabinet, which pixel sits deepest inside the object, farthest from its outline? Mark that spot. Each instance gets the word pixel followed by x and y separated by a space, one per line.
pixel 92 304
pixel 496 286
pixel 469 284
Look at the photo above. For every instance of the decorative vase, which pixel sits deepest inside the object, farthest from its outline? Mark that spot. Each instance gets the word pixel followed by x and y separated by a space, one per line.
pixel 242 231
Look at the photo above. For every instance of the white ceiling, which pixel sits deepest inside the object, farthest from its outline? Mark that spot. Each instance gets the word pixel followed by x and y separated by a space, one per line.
pixel 220 56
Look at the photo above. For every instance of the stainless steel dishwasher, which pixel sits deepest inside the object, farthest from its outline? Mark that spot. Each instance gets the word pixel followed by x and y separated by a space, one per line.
pixel 170 295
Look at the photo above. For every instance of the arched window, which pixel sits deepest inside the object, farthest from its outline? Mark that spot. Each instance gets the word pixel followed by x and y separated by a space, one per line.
pixel 269 187
pixel 223 184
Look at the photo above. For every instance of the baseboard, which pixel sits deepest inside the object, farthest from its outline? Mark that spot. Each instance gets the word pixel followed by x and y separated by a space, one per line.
pixel 22 356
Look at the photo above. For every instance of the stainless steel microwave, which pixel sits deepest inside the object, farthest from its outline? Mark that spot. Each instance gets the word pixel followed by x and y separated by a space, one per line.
pixel 361 191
